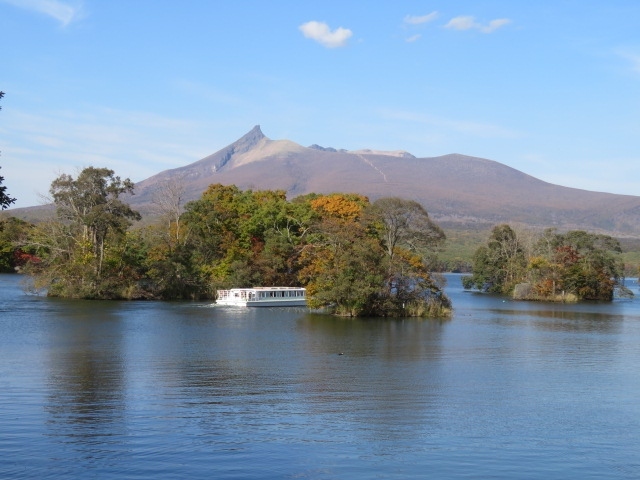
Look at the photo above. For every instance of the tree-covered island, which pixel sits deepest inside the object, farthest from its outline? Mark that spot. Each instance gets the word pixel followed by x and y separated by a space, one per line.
pixel 550 266
pixel 356 258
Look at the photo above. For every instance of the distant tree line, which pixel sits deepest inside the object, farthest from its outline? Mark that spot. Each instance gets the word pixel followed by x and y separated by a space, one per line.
pixel 356 258
pixel 570 266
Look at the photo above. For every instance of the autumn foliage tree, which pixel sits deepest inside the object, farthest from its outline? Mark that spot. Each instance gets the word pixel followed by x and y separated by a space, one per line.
pixel 575 265
pixel 369 259
pixel 342 259
pixel 577 262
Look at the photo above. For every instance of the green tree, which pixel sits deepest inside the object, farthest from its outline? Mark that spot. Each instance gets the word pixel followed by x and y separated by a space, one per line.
pixel 91 204
pixel 286 227
pixel 219 226
pixel 246 238
pixel 499 265
pixel 77 247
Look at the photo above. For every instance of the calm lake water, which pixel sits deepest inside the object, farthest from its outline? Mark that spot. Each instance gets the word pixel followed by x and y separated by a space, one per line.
pixel 503 390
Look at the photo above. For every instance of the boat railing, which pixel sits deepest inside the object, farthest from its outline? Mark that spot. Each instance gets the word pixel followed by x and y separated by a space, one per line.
pixel 260 293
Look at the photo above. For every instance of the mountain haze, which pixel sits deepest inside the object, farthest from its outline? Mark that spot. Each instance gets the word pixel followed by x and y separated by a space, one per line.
pixel 457 190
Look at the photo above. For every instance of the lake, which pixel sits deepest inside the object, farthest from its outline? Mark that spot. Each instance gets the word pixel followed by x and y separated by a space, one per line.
pixel 143 390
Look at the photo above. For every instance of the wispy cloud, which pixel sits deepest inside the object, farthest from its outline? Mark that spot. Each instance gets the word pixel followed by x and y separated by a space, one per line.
pixel 478 129
pixel 420 19
pixel 63 12
pixel 206 92
pixel 632 57
pixel 134 144
pixel 321 33
pixel 411 22
pixel 469 23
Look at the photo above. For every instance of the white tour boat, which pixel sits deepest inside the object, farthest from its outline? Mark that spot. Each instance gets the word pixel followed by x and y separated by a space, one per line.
pixel 263 297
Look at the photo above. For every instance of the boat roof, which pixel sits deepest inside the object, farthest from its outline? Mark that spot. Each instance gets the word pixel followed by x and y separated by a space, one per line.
pixel 269 288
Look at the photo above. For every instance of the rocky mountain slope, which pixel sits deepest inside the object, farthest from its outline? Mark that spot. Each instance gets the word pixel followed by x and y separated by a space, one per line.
pixel 457 190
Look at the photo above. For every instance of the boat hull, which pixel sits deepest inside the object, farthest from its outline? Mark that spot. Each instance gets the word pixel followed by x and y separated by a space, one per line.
pixel 263 297
pixel 263 303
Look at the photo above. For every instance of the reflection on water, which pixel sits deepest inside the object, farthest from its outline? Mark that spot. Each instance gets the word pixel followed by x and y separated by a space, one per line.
pixel 86 373
pixel 138 390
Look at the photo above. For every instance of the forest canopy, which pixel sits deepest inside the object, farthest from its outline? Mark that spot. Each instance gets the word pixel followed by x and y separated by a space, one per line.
pixel 356 258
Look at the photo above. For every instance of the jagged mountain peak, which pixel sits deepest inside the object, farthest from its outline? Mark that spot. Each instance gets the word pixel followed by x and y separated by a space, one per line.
pixel 249 140
pixel 244 144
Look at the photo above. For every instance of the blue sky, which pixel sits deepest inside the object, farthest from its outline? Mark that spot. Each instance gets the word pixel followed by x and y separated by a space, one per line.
pixel 550 87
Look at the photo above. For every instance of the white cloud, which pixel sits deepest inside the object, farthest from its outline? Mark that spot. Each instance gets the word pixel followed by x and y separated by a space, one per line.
pixel 413 38
pixel 494 25
pixel 461 23
pixel 321 33
pixel 420 19
pixel 469 23
pixel 63 12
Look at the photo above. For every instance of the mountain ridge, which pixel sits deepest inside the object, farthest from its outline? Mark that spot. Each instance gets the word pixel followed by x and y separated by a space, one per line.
pixel 457 190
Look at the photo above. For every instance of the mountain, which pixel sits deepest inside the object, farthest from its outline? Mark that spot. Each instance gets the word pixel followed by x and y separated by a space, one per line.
pixel 457 190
